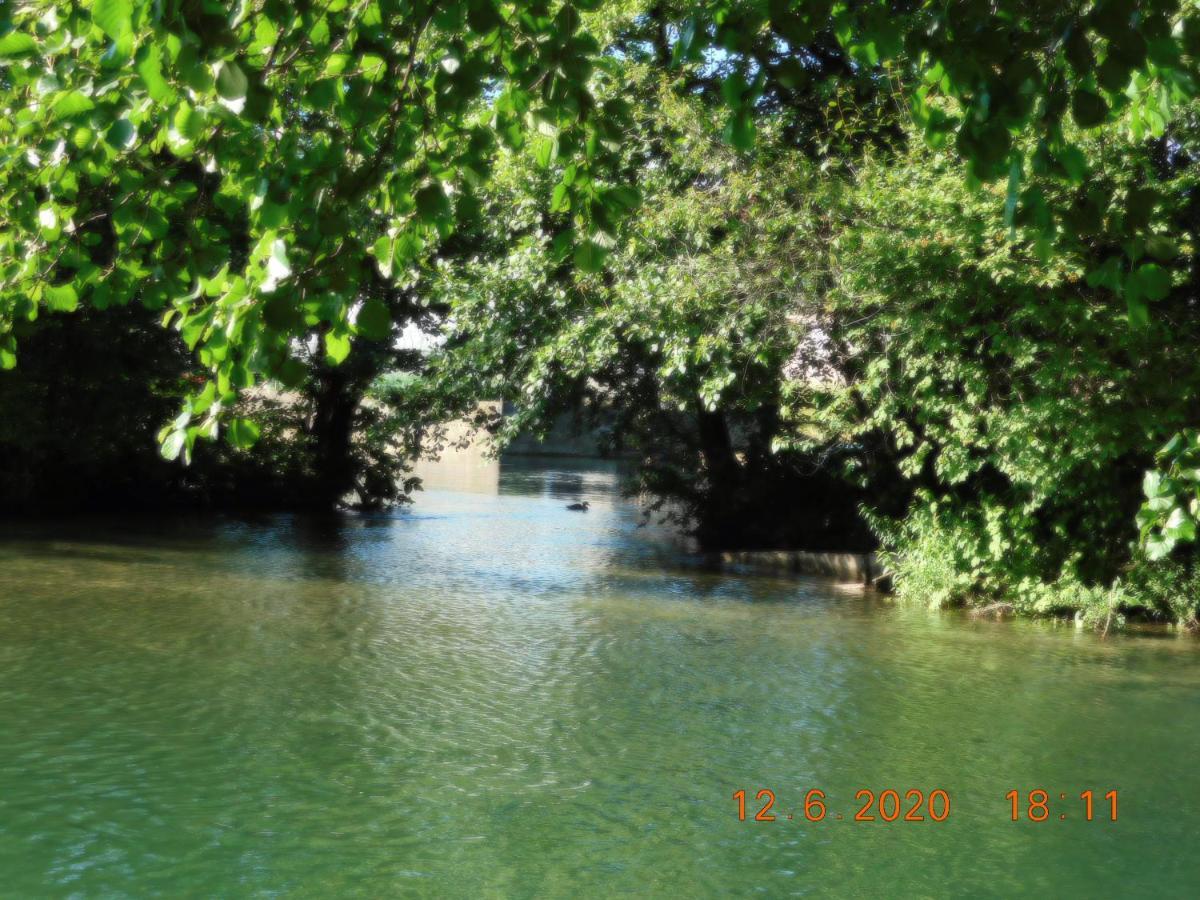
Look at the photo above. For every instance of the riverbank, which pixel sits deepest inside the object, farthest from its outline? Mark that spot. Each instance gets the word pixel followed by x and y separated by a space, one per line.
pixel 1133 601
pixel 862 569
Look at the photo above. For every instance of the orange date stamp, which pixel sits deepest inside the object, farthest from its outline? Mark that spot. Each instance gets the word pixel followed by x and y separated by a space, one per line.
pixel 916 805
pixel 885 806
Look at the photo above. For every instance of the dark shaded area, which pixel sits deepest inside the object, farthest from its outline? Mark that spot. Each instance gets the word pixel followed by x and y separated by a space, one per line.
pixel 79 414
pixel 714 473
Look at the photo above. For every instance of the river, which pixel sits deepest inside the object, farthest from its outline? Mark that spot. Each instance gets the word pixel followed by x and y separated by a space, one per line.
pixel 488 695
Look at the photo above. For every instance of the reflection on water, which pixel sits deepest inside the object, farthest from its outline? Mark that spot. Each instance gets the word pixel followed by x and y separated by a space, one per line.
pixel 485 694
pixel 469 468
pixel 472 468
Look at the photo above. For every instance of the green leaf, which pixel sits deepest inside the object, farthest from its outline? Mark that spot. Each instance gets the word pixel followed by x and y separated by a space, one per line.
pixel 336 64
pixel 622 198
pixel 1014 190
pixel 1159 548
pixel 1107 275
pixel 739 131
pixel 292 373
pixel 189 122
pixel 192 69
pixel 562 246
pixel 545 150
pixel 1152 483
pixel 1079 51
pixel 589 256
pixel 432 203
pixel 373 67
pixel 319 34
pixel 482 16
pixel 407 247
pixel 1162 247
pixel 149 67
pixel 560 200
pixel 61 298
pixel 383 252
pixel 1176 444
pixel 1138 311
pixel 1180 526
pixel 48 223
pixel 1113 74
pixel 1152 281
pixel 733 88
pixel 16 44
pixel 242 433
pixel 280 313
pixel 1074 163
pixel 179 145
pixel 374 320
pixel 172 445
pixel 1088 108
pixel 81 137
pixel 231 81
pixel 203 403
pixel 278 267
pixel 72 103
pixel 337 347
pixel 121 134
pixel 114 17
pixel 866 53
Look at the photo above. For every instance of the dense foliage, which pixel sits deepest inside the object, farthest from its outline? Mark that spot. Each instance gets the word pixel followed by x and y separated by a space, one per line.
pixel 711 223
pixel 78 418
pixel 263 173
pixel 680 349
pixel 1008 386
pixel 978 390
pixel 248 168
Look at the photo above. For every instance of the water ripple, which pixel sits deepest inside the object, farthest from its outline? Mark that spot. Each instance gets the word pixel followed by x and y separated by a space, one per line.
pixel 492 696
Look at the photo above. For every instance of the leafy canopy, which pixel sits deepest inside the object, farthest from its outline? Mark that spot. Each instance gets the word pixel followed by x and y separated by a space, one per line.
pixel 247 167
pixel 247 171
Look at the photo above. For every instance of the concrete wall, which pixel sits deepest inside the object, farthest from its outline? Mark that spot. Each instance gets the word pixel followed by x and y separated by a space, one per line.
pixel 859 568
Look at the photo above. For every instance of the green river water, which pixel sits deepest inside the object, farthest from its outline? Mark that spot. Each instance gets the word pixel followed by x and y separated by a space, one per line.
pixel 489 696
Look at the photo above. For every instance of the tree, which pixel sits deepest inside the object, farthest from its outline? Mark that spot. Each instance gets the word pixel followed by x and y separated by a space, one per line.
pixel 868 320
pixel 250 172
pixel 1006 384
pixel 240 168
pixel 680 348
pixel 271 174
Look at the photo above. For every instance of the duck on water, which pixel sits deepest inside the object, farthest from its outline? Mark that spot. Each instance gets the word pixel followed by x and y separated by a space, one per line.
pixel 579 507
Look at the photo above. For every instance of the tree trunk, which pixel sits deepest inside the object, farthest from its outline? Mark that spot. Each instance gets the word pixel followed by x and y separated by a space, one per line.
pixel 718 519
pixel 335 404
